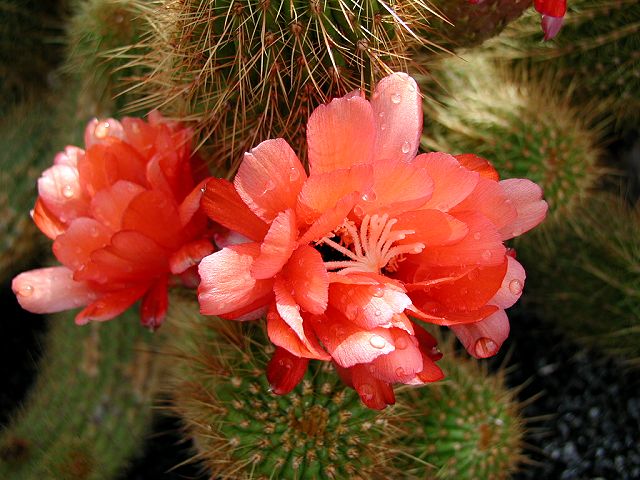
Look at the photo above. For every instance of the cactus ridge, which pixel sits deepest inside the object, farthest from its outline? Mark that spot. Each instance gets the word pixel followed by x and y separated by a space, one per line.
pixel 90 408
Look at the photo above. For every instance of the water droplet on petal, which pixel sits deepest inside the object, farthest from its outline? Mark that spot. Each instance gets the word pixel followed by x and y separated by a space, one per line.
pixel 26 290
pixel 294 174
pixel 515 287
pixel 395 98
pixel 366 391
pixel 94 232
pixel 406 146
pixel 377 313
pixel 269 186
pixel 377 341
pixel 476 236
pixel 383 127
pixel 377 291
pixel 486 255
pixel 485 347
pixel 285 363
pixel 381 114
pixel 101 130
pixel 400 372
pixel 401 343
pixel 67 191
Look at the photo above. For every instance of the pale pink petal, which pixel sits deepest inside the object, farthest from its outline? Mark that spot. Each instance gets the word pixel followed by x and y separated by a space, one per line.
pixel 340 135
pixel 69 156
pixel 277 246
pixel 321 192
pixel 111 305
pixel 289 312
pixel 551 26
pixel 484 338
pixel 226 282
pixel 59 189
pixel 270 178
pixel 512 285
pixel 452 182
pixel 401 365
pixel 348 343
pixel 397 108
pixel 108 205
pixel 398 187
pixel 308 278
pixel 49 290
pixel 189 255
pixel 526 197
pixel 97 131
pixel 489 199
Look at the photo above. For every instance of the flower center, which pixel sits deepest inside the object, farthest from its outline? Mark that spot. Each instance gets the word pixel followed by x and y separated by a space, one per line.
pixel 372 248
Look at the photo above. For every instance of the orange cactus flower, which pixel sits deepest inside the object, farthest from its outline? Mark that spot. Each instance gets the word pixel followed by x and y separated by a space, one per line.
pixel 338 259
pixel 123 216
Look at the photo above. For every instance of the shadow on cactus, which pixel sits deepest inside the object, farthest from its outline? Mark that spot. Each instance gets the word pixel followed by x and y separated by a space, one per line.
pixel 240 72
pixel 520 122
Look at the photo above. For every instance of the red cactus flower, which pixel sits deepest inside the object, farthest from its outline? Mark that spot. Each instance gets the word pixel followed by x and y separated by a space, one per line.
pixel 339 258
pixel 123 216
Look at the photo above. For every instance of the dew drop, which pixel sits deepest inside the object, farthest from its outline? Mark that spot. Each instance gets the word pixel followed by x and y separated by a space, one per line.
pixel 94 232
pixel 377 291
pixel 67 191
pixel 485 347
pixel 358 210
pixel 269 186
pixel 486 255
pixel 285 363
pixel 401 343
pixel 101 130
pixel 400 372
pixel 294 174
pixel 377 341
pixel 383 126
pixel 366 392
pixel 476 236
pixel 26 290
pixel 406 146
pixel 515 287
pixel 395 98
pixel 381 114
pixel 377 313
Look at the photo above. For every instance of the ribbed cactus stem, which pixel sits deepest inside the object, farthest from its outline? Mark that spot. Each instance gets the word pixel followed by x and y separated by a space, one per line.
pixel 89 411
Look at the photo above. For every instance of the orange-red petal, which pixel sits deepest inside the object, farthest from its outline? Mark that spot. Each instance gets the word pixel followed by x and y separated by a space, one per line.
pixel 277 246
pixel 285 371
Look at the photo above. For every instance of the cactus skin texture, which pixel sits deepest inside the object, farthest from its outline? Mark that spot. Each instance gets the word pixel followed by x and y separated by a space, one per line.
pixel 594 261
pixel 242 72
pixel 466 427
pixel 90 408
pixel 599 44
pixel 241 430
pixel 469 25
pixel 31 47
pixel 522 124
pixel 97 33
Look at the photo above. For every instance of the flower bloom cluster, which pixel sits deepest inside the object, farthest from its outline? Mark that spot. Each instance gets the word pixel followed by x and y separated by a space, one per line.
pixel 124 216
pixel 552 11
pixel 340 259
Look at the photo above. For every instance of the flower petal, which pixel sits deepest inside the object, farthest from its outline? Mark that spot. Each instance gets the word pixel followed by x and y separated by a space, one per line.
pixel 308 278
pixel 226 282
pixel 401 365
pixel 512 285
pixel 153 308
pixel 526 197
pixel 111 305
pixel 397 108
pixel 84 236
pixel 374 393
pixel 277 246
pixel 270 178
pixel 431 227
pixel 489 199
pixel 484 338
pixel 285 371
pixel 340 135
pixel 46 221
pixel 189 255
pixel 478 164
pixel 452 182
pixel 223 205
pixel 109 205
pixel 163 226
pixel 49 290
pixel 59 189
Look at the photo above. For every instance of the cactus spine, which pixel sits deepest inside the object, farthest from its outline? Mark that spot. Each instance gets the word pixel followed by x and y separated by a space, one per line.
pixel 90 408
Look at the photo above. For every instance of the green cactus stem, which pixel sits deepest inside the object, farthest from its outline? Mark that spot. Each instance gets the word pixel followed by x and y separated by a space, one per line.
pixel 89 411
pixel 594 261
pixel 521 123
